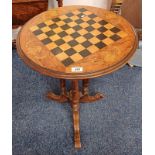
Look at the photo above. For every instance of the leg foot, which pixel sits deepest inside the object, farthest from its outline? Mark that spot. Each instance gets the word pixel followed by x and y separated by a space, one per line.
pixel 63 95
pixel 85 93
pixel 87 98
pixel 58 98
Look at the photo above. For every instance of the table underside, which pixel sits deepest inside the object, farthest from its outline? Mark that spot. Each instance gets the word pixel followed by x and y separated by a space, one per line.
pixel 75 97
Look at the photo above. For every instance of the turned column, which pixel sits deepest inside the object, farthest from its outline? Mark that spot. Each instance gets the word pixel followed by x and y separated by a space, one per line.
pixel 63 94
pixel 75 108
pixel 63 87
pixel 85 84
pixel 86 98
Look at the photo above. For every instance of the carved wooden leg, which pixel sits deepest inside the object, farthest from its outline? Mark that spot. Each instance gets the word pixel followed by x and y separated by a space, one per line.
pixel 85 84
pixel 60 3
pixel 75 108
pixel 63 95
pixel 85 93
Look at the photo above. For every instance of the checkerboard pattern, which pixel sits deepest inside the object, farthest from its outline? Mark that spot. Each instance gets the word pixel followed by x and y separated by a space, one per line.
pixel 76 35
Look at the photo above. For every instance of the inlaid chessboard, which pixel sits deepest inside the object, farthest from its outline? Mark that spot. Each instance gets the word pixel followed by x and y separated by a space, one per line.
pixel 76 35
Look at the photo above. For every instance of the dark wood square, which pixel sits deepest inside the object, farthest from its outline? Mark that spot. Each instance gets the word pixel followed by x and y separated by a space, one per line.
pixel 70 14
pixel 46 41
pixel 41 25
pixel 101 36
pixel 50 33
pixel 59 42
pixel 70 51
pixel 73 43
pixel 103 22
pixel 56 51
pixel 80 15
pixel 65 27
pixel 77 28
pixel 88 35
pixel 90 28
pixel 62 34
pixel 75 35
pixel 82 9
pixel 67 61
pixel 84 53
pixel 67 20
pixel 115 30
pixel 90 22
pixel 79 21
pixel 56 19
pixel 53 26
pixel 115 37
pixel 86 44
pixel 100 45
pixel 37 32
pixel 102 29
pixel 92 16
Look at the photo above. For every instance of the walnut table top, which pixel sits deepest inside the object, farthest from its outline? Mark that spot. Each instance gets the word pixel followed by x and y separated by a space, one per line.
pixel 76 42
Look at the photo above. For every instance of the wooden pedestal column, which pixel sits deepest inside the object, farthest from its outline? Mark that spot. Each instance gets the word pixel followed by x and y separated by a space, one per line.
pixel 75 107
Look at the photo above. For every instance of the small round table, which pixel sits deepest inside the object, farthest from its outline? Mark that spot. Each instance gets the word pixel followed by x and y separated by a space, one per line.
pixel 76 43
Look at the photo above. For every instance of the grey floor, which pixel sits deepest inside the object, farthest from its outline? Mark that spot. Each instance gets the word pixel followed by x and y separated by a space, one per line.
pixel 111 126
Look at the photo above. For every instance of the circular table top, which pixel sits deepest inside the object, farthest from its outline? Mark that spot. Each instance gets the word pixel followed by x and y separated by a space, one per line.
pixel 76 42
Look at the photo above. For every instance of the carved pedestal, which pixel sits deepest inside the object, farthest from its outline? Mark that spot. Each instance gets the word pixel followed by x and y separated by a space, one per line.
pixel 75 96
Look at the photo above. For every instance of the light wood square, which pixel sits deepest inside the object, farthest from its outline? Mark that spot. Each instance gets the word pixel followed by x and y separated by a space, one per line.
pixel 94 40
pixel 76 57
pixel 57 30
pixel 72 24
pixel 122 34
pixel 61 23
pixel 80 39
pixel 108 33
pixel 65 47
pixel 95 32
pixel 62 56
pixel 87 13
pixel 85 18
pixel 34 28
pixel 109 26
pixel 108 41
pixel 96 25
pixel 48 22
pixel 76 12
pixel 82 32
pixel 42 36
pixel 51 46
pixel 92 49
pixel 55 37
pixel 67 38
pixel 78 48
pixel 84 25
pixel 70 31
pixel 97 19
pixel 74 18
pixel 63 17
pixel 45 29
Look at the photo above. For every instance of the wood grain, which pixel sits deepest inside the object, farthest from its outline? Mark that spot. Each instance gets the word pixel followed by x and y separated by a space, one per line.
pixel 23 10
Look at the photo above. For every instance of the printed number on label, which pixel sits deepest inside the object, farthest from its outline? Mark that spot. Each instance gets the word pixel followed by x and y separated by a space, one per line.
pixel 77 69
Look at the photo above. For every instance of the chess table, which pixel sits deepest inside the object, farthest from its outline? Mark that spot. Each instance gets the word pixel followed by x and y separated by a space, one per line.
pixel 76 43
